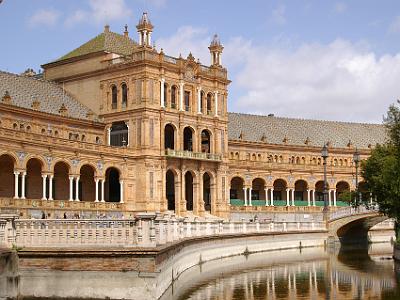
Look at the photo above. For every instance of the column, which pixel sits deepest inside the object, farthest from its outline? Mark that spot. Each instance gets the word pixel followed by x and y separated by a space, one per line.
pixel 181 96
pixel 51 186
pixel 140 38
pixel 16 177
pixel 334 197
pixel 71 184
pixel 121 195
pixel 292 197
pixel 199 100
pixel 144 37
pixel 266 197
pixel 23 174
pixel 250 189
pixel 44 178
pixel 77 189
pixel 287 198
pixel 96 190
pixel 102 190
pixel 330 197
pixel 308 198
pixel 149 38
pixel 109 136
pixel 313 197
pixel 272 196
pixel 162 100
pixel 216 104
pixel 245 196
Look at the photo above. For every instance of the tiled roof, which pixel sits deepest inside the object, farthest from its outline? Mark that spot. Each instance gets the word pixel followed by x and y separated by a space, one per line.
pixel 25 90
pixel 107 41
pixel 277 130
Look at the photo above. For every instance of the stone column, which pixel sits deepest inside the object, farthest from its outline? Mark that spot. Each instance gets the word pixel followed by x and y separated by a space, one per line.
pixel 216 104
pixel 199 100
pixel 96 190
pixel 245 196
pixel 266 197
pixel 51 186
pixel 330 197
pixel 44 178
pixel 287 197
pixel 272 196
pixel 162 100
pixel 109 136
pixel 16 178
pixel 71 188
pixel 23 174
pixel 121 199
pixel 181 108
pixel 313 197
pixel 250 190
pixel 308 198
pixel 292 197
pixel 102 189
pixel 334 197
pixel 77 189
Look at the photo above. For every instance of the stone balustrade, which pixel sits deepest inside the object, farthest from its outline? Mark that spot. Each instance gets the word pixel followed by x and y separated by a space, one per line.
pixel 146 230
pixel 193 155
pixel 350 211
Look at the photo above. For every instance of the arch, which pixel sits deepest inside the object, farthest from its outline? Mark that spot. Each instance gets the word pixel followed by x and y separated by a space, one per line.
pixel 119 134
pixel 170 189
pixel 186 99
pixel 363 191
pixel 257 189
pixel 280 186
pixel 342 190
pixel 188 133
pixel 165 94
pixel 7 165
pixel 124 89
pixel 189 179
pixel 205 141
pixel 237 185
pixel 61 181
pixel 202 101
pixel 300 190
pixel 87 185
pixel 207 196
pixel 34 181
pixel 319 190
pixel 209 104
pixel 173 96
pixel 169 136
pixel 114 97
pixel 112 190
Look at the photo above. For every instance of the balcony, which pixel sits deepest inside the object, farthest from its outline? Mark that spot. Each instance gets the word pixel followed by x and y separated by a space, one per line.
pixel 192 155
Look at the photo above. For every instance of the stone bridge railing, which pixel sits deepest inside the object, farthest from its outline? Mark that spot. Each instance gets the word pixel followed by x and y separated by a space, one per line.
pixel 351 211
pixel 143 231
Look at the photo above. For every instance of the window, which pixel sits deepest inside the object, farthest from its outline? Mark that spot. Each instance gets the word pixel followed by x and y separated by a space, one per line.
pixel 202 101
pixel 173 96
pixel 114 97
pixel 138 90
pixel 151 91
pixel 119 134
pixel 151 184
pixel 139 132
pixel 124 95
pixel 165 95
pixel 208 104
pixel 151 132
pixel 97 140
pixel 187 100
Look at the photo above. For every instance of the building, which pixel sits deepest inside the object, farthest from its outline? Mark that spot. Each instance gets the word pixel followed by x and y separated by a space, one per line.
pixel 115 125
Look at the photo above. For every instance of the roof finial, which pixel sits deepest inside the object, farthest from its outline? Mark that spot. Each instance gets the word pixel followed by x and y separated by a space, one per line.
pixel 126 32
pixel 107 28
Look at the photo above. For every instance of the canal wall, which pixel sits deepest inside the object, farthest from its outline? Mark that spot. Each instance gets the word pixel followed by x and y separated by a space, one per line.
pixel 99 274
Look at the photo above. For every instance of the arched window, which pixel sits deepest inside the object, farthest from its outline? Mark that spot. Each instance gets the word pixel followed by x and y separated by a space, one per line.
pixel 165 95
pixel 187 100
pixel 173 96
pixel 205 141
pixel 202 101
pixel 119 134
pixel 114 97
pixel 208 108
pixel 124 95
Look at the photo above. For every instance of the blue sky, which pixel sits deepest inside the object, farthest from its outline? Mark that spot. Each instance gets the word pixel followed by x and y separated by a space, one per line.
pixel 335 60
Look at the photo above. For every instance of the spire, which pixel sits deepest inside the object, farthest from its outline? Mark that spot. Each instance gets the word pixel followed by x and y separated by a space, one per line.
pixel 216 51
pixel 144 28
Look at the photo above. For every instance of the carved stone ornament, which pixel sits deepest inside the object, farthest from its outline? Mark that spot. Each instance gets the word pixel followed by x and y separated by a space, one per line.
pixel 189 73
pixel 75 162
pixel 21 155
pixel 100 165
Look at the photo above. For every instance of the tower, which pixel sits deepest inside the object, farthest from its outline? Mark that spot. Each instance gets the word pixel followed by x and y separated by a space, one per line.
pixel 216 51
pixel 144 28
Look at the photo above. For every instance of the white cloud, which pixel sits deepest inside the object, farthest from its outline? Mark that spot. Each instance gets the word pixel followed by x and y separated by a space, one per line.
pixel 44 17
pixel 279 15
pixel 340 7
pixel 337 81
pixel 394 27
pixel 100 11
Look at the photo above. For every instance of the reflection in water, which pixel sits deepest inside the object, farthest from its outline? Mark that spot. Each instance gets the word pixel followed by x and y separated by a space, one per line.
pixel 348 274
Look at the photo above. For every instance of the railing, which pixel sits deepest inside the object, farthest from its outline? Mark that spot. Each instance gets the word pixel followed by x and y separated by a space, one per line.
pixel 193 155
pixel 146 230
pixel 350 211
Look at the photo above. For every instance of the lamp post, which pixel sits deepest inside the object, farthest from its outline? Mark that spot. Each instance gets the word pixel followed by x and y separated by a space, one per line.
pixel 356 159
pixel 325 154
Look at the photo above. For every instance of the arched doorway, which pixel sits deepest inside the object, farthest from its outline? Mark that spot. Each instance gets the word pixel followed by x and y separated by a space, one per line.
pixel 87 185
pixel 189 190
pixel 207 192
pixel 280 187
pixel 34 181
pixel 170 190
pixel 112 186
pixel 61 181
pixel 236 193
pixel 205 141
pixel 343 193
pixel 188 139
pixel 363 191
pixel 300 192
pixel 258 191
pixel 7 176
pixel 169 137
pixel 319 193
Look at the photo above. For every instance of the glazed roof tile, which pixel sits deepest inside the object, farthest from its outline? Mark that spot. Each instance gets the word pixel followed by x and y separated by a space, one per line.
pixel 297 131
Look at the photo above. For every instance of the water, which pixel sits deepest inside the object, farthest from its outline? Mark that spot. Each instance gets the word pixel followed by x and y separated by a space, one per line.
pixel 292 274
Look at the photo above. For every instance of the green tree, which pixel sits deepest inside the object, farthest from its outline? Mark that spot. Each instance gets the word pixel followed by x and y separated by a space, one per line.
pixel 381 171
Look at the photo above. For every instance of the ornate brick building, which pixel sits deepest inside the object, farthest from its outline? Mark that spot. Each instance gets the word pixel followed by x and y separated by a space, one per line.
pixel 117 125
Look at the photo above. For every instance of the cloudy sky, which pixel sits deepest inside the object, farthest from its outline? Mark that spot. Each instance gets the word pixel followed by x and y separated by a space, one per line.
pixel 335 60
